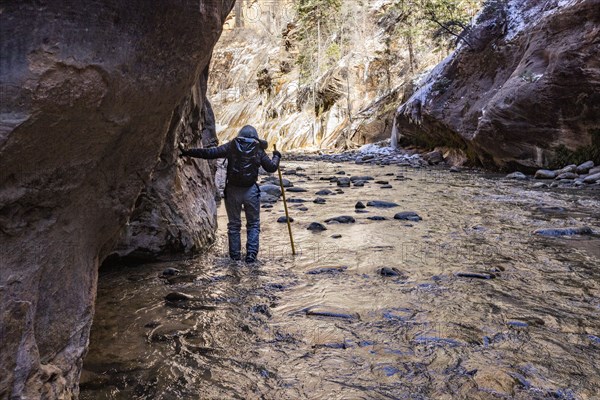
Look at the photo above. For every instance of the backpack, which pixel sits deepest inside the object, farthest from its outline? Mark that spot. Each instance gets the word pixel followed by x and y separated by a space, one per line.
pixel 243 161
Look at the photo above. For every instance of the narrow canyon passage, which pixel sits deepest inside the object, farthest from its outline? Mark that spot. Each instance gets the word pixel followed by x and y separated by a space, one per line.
pixel 330 323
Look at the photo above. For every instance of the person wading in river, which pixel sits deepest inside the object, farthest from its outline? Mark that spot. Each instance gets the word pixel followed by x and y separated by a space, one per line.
pixel 245 154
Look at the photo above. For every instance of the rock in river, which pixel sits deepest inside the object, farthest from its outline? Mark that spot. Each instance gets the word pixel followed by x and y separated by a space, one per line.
pixel 391 271
pixel 331 312
pixel 516 175
pixel 284 219
pixel 585 167
pixel 475 275
pixel 377 218
pixel 544 174
pixel 319 200
pixel 316 227
pixel 359 205
pixel 408 216
pixel 583 230
pixel 324 192
pixel 592 178
pixel 178 296
pixel 326 270
pixel 343 182
pixel 381 204
pixel 342 219
pixel 295 190
pixel 273 190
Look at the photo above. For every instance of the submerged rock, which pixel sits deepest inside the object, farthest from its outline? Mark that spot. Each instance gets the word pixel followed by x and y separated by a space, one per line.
pixel 324 192
pixel 342 219
pixel 361 178
pixel 391 271
pixel 178 296
pixel 187 278
pixel 584 230
pixel 316 227
pixel 382 204
pixel 331 312
pixel 326 270
pixel 284 219
pixel 408 216
pixel 319 200
pixel 336 236
pixel 377 218
pixel 295 190
pixel 475 275
pixel 170 271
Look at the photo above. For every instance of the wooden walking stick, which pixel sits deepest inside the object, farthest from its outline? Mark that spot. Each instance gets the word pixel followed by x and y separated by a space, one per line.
pixel 287 217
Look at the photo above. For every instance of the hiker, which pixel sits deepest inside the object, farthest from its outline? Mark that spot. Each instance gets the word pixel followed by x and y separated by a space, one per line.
pixel 245 154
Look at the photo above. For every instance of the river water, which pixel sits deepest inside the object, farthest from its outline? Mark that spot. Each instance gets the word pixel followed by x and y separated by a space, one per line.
pixel 532 332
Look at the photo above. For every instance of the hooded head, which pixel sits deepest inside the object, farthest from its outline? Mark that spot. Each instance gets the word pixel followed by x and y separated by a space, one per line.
pixel 248 131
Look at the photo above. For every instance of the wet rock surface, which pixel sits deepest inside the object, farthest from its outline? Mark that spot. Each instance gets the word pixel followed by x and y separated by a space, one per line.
pixel 93 104
pixel 503 97
pixel 290 319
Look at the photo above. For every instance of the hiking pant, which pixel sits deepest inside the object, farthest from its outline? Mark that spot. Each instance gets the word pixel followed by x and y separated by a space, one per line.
pixel 249 198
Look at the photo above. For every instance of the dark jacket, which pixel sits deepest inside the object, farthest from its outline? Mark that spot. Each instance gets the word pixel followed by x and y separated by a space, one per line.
pixel 228 151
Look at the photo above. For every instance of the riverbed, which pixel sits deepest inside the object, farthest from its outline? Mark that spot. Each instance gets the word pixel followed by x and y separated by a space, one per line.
pixel 476 306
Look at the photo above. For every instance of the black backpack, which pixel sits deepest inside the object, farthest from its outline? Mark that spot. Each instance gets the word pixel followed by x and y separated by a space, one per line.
pixel 243 161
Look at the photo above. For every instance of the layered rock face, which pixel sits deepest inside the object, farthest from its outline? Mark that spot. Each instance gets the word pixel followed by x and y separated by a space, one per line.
pixel 524 84
pixel 94 98
pixel 348 100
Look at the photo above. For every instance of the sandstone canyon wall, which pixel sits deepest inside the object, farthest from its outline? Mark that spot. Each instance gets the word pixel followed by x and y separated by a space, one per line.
pixel 358 71
pixel 95 96
pixel 521 90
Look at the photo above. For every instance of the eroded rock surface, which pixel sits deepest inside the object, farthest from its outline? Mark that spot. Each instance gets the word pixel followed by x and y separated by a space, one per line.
pixel 88 106
pixel 524 83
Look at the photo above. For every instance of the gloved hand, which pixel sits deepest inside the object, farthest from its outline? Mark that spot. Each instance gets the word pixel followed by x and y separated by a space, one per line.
pixel 276 153
pixel 182 150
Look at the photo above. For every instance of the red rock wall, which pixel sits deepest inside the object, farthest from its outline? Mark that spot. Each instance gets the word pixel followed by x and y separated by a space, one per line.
pixel 88 91
pixel 528 83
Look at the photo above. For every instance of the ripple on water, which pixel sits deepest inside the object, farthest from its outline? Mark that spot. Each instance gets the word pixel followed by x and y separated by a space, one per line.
pixel 326 324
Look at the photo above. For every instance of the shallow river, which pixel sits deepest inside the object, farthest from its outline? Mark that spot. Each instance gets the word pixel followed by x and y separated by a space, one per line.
pixel 532 332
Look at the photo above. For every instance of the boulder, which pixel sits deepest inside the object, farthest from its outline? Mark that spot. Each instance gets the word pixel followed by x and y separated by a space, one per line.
pixel 507 95
pixel 516 175
pixel 584 167
pixel 592 178
pixel 566 175
pixel 544 174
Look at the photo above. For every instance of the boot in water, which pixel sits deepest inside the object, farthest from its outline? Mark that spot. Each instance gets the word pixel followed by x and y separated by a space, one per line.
pixel 250 258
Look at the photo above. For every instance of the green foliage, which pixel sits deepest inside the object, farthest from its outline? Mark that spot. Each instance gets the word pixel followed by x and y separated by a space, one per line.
pixel 564 156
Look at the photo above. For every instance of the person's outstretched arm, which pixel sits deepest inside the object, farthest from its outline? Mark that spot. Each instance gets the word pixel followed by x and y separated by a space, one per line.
pixel 267 164
pixel 209 153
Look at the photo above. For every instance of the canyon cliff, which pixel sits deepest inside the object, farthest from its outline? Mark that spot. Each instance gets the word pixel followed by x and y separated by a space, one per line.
pixel 521 91
pixel 95 98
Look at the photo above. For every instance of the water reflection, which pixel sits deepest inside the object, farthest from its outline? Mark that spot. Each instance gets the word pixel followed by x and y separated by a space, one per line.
pixel 530 332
